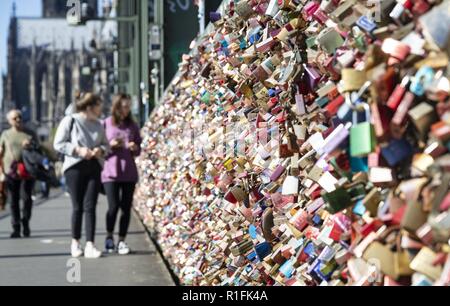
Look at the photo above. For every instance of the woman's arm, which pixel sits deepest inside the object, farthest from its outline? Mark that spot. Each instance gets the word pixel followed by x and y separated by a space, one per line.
pixel 62 143
pixel 2 145
pixel 104 143
pixel 137 139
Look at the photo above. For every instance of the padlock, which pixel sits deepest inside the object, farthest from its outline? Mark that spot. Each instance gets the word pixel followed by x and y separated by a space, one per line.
pixel 335 139
pixel 343 197
pixel 300 220
pixel 398 125
pixel 423 78
pixel 329 40
pixel 423 263
pixel 423 116
pixel 328 182
pixel 353 79
pixel 436 26
pixel 382 176
pixel 337 200
pixel 285 150
pixel 383 256
pixel 333 107
pixel 372 201
pixel 396 49
pixel 272 8
pixel 312 76
pixel 414 216
pixel 380 120
pixel 397 151
pixel 397 96
pixel 344 112
pixel 299 108
pixel 366 24
pixel 343 10
pixel 315 173
pixel 362 135
pixel 244 9
pixel 290 185
pixel 262 250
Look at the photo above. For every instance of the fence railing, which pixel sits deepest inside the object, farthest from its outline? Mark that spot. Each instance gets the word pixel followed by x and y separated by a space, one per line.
pixel 194 50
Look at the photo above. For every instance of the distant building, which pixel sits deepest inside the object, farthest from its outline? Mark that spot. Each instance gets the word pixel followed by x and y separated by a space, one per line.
pixel 49 61
pixel 58 8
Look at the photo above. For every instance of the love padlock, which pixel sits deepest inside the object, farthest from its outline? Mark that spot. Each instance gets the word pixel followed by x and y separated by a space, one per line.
pixel 362 135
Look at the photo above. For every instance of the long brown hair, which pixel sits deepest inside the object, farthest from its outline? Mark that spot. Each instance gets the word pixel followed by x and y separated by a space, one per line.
pixel 116 105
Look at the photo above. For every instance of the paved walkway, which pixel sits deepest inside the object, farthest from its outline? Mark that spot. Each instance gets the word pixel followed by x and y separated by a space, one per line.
pixel 43 258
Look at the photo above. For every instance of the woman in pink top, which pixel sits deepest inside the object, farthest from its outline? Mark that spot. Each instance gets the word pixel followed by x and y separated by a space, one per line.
pixel 120 173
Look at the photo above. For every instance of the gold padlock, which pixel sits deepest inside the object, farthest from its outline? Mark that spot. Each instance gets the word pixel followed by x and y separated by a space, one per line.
pixel 383 256
pixel 353 79
pixel 371 201
pixel 423 263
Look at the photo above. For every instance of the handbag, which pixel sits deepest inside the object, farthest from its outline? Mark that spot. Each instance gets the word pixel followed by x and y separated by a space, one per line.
pixel 18 170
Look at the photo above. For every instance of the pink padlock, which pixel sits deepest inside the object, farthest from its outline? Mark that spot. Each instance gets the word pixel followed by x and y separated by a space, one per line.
pixel 310 8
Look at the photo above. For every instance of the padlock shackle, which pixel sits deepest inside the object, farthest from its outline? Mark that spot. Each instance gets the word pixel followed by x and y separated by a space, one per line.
pixel 355 113
pixel 351 101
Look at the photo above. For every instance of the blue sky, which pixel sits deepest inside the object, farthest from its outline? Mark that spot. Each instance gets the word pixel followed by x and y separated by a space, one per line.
pixel 25 8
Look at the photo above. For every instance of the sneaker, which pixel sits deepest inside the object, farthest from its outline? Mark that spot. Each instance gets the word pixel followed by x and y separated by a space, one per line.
pixel 91 251
pixel 109 245
pixel 123 248
pixel 76 250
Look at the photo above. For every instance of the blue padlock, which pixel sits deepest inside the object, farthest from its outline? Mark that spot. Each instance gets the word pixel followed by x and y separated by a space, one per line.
pixel 253 231
pixel 310 250
pixel 322 102
pixel 272 92
pixel 359 208
pixel 214 16
pixel 243 45
pixel 359 164
pixel 254 38
pixel 325 270
pixel 287 269
pixel 317 219
pixel 252 256
pixel 423 78
pixel 397 151
pixel 366 24
pixel 262 250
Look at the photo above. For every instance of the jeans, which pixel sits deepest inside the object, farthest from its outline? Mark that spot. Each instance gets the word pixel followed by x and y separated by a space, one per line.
pixel 83 183
pixel 14 195
pixel 45 189
pixel 120 196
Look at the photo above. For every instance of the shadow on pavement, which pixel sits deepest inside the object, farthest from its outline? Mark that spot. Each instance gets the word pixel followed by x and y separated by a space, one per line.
pixel 133 253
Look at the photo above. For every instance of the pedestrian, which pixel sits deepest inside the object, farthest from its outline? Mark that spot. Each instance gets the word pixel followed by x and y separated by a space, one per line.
pixel 12 144
pixel 81 139
pixel 49 163
pixel 120 173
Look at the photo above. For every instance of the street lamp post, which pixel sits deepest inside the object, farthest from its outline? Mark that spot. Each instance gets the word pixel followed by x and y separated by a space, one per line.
pixel 201 16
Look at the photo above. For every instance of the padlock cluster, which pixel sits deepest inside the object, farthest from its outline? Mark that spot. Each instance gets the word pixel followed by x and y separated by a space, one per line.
pixel 306 143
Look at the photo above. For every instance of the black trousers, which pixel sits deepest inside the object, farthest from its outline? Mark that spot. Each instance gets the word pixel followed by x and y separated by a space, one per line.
pixel 120 196
pixel 83 183
pixel 18 189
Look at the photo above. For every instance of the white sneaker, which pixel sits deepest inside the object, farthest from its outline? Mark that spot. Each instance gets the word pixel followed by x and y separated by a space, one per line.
pixel 76 250
pixel 123 248
pixel 91 251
